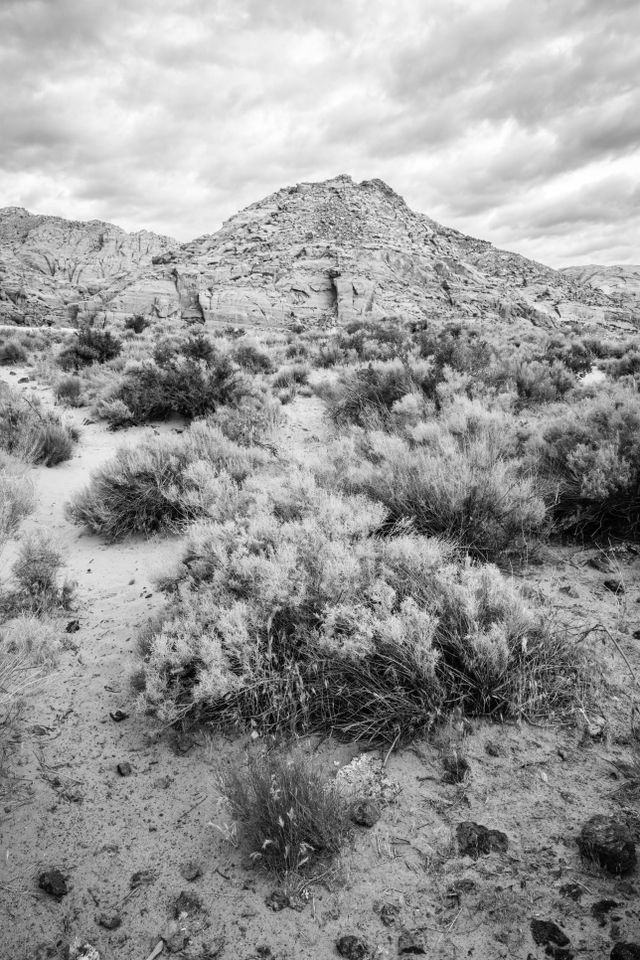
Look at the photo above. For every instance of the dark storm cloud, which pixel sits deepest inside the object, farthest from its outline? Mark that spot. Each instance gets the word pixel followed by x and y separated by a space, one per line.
pixel 517 122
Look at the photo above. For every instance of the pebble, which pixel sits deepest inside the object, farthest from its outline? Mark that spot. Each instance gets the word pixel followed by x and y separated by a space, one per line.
pixel 54 883
pixel 475 840
pixel 608 842
pixel 365 813
pixel 353 948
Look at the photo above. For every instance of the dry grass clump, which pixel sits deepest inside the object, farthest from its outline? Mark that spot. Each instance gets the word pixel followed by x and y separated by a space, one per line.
pixel 590 454
pixel 458 476
pixel 33 434
pixel 161 484
pixel 16 498
pixel 288 611
pixel 290 815
pixel 12 353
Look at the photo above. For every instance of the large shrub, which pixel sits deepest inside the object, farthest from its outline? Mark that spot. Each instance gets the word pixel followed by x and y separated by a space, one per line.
pixel 93 344
pixel 458 477
pixel 177 384
pixel 590 454
pixel 287 613
pixel 161 484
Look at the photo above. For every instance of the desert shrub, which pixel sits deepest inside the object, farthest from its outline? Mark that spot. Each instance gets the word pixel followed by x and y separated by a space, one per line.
pixel 69 390
pixel 287 613
pixel 541 382
pixel 36 575
pixel 92 345
pixel 12 352
pixel 16 499
pixel 138 323
pixel 180 385
pixel 34 434
pixel 290 816
pixel 591 455
pixel 373 340
pixel 198 347
pixel 161 484
pixel 251 358
pixel 294 375
pixel 459 477
pixel 367 395
pixel 253 421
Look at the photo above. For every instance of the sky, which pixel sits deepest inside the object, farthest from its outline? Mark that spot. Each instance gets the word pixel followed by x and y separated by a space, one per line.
pixel 517 121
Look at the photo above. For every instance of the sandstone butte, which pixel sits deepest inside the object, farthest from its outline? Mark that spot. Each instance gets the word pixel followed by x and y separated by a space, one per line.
pixel 315 253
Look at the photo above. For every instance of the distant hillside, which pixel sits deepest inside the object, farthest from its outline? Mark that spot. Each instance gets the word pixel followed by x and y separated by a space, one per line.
pixel 617 281
pixel 314 253
pixel 49 266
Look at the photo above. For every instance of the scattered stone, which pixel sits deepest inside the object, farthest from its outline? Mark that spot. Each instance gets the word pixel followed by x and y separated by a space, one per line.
pixel 118 716
pixel 598 563
pixel 365 813
pixel 185 904
pixel 124 769
pixel 278 900
pixel 411 942
pixel 608 842
pixel 72 627
pixel 548 934
pixel 142 878
pixel 493 749
pixel 625 951
pixel 600 910
pixel 614 585
pixel 458 887
pixel 388 912
pixel 570 591
pixel 83 951
pixel 572 890
pixel 475 840
pixel 24 380
pixel 191 870
pixel 455 768
pixel 54 883
pixel 110 921
pixel 353 948
pixel 175 938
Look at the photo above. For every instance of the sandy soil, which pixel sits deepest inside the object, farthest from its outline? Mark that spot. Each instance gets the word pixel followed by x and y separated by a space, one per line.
pixel 130 845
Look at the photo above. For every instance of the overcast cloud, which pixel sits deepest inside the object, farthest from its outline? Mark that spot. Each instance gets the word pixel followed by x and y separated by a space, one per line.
pixel 513 120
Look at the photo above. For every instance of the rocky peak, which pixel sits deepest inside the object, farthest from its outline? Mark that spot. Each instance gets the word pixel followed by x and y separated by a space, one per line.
pixel 317 253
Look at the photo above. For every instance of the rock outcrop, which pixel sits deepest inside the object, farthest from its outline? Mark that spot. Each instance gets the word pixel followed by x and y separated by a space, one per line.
pixel 50 268
pixel 619 281
pixel 316 253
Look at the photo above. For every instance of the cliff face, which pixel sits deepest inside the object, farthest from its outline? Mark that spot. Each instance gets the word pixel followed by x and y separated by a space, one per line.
pixel 315 253
pixel 50 267
pixel 620 282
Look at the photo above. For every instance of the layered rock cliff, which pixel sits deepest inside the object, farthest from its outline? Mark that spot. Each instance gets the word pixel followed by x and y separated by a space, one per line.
pixel 50 267
pixel 315 253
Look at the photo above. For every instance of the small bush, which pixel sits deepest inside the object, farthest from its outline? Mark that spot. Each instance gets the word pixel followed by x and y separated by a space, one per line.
pixel 591 457
pixel 161 484
pixel 295 375
pixel 251 358
pixel 366 397
pixel 32 433
pixel 12 353
pixel 36 574
pixel 289 815
pixel 92 345
pixel 138 323
pixel 16 500
pixel 458 477
pixel 69 390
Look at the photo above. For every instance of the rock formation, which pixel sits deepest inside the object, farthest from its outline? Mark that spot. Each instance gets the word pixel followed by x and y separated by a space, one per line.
pixel 52 268
pixel 316 253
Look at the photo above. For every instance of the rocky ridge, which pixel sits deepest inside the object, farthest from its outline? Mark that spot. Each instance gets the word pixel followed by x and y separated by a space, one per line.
pixel 51 268
pixel 621 281
pixel 316 253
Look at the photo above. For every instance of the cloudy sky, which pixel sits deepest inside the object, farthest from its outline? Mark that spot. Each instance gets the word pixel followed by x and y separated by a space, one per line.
pixel 513 120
